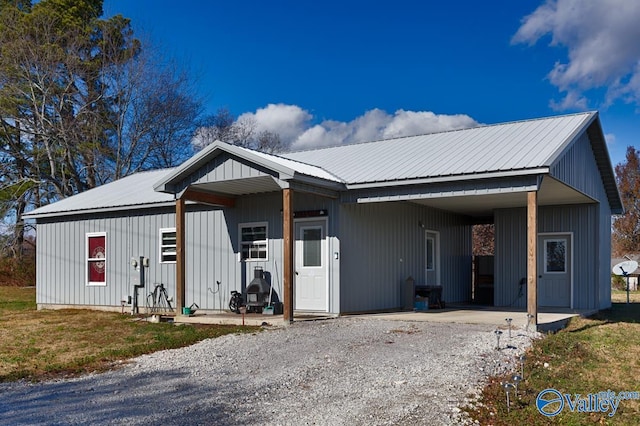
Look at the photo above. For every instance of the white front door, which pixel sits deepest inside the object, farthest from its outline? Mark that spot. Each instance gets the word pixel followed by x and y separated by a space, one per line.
pixel 311 284
pixel 554 270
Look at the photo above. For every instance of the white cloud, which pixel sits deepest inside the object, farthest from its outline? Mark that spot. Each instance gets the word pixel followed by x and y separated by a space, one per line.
pixel 296 129
pixel 610 138
pixel 603 49
pixel 286 120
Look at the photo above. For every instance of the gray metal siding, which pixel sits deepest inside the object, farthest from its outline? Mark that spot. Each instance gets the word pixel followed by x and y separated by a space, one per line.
pixel 61 257
pixel 211 252
pixel 510 256
pixel 383 244
pixel 577 168
pixel 224 167
pixel 604 252
pixel 511 251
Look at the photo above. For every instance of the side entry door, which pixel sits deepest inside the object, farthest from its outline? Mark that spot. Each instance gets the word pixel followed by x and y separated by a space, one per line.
pixel 554 270
pixel 311 266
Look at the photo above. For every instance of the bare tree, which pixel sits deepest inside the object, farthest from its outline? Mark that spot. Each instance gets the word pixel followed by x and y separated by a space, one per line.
pixel 81 103
pixel 223 126
pixel 626 227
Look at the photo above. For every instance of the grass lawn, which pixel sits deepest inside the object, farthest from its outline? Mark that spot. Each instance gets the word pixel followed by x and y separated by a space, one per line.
pixel 44 344
pixel 591 355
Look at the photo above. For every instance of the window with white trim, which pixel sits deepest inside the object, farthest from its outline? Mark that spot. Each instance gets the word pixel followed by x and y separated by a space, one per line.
pixel 253 241
pixel 96 260
pixel 168 245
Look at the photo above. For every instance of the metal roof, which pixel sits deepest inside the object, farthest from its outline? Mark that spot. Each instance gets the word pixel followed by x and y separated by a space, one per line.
pixel 134 190
pixel 511 149
pixel 285 167
pixel 516 146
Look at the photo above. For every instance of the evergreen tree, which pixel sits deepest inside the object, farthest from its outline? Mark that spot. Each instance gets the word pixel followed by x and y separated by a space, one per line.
pixel 81 104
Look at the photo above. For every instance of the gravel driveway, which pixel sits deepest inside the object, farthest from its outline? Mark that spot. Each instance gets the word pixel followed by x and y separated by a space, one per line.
pixel 344 371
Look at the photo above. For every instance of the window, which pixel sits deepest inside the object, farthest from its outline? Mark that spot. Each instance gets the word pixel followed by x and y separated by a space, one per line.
pixel 431 254
pixel 312 246
pixel 555 260
pixel 96 258
pixel 168 245
pixel 253 241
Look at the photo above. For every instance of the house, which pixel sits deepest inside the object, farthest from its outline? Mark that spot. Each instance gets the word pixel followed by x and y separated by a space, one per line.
pixel 340 229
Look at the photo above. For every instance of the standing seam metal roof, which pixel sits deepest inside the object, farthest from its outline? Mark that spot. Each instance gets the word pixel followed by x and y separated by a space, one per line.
pixel 497 148
pixel 509 147
pixel 133 190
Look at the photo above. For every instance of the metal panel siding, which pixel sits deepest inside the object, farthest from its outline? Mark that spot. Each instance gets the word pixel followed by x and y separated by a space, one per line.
pixel 383 244
pixel 211 252
pixel 604 252
pixel 582 221
pixel 511 251
pixel 577 167
pixel 510 256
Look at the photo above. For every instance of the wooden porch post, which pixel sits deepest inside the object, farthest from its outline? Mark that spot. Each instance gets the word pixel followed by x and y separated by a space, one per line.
pixel 287 232
pixel 180 255
pixel 532 258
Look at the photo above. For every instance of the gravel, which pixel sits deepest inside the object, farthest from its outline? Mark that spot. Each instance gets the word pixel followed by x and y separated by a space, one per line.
pixel 343 371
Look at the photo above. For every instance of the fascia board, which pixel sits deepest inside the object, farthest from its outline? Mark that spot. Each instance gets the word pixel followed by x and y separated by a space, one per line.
pixel 97 210
pixel 442 179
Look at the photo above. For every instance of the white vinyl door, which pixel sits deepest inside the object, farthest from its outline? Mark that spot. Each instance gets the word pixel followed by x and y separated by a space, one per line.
pixel 311 282
pixel 554 270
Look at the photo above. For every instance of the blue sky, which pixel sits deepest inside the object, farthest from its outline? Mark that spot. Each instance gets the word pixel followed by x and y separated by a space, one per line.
pixel 330 72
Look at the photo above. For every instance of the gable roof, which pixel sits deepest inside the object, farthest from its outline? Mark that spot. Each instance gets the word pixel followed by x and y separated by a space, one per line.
pixel 523 146
pixel 133 190
pixel 520 148
pixel 283 168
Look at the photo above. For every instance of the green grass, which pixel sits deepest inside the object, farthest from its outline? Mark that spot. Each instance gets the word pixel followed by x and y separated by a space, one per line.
pixel 38 345
pixel 591 355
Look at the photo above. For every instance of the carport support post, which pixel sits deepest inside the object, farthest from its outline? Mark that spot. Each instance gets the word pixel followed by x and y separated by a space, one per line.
pixel 532 258
pixel 287 232
pixel 180 255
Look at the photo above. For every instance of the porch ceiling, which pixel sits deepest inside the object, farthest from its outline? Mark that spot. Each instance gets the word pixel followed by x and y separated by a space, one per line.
pixel 250 185
pixel 551 192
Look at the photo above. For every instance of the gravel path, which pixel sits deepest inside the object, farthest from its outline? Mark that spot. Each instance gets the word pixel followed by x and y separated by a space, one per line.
pixel 344 371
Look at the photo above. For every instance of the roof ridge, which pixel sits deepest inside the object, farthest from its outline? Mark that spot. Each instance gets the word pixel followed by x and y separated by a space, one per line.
pixel 295 161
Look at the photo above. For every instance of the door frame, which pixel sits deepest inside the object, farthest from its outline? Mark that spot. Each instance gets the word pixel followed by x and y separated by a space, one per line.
pixel 559 234
pixel 325 258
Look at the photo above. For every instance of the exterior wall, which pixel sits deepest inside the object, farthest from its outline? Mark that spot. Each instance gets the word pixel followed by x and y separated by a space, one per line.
pixel 589 223
pixel 383 244
pixel 61 257
pixel 578 168
pixel 212 249
pixel 511 251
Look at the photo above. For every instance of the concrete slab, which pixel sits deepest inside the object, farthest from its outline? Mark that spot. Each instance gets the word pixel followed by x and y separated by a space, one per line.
pixel 549 319
pixel 227 318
